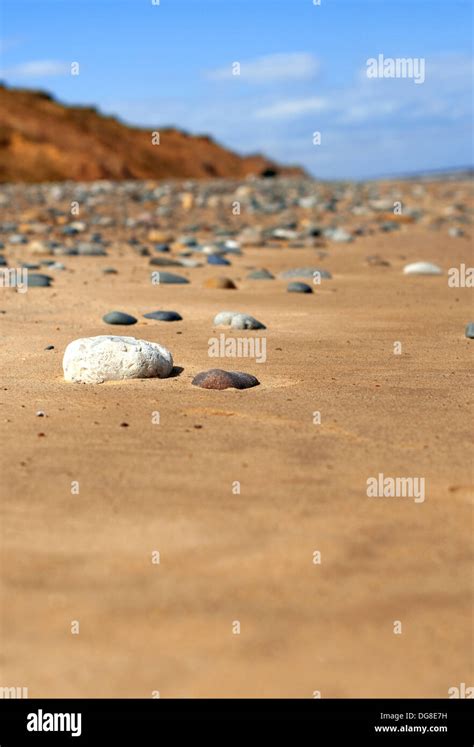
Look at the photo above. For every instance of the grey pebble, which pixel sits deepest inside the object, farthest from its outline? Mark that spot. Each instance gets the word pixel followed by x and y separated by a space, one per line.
pixel 118 317
pixel 164 316
pixel 38 280
pixel 158 278
pixel 262 274
pixel 296 287
pixel 470 330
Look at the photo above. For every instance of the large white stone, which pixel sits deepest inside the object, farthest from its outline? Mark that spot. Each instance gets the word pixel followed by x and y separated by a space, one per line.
pixel 422 268
pixel 92 360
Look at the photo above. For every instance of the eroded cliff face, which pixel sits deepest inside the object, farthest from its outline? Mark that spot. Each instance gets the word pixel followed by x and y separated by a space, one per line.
pixel 44 140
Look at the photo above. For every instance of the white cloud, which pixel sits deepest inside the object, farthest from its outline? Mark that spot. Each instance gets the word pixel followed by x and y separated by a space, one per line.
pixel 291 108
pixel 38 69
pixel 271 68
pixel 366 111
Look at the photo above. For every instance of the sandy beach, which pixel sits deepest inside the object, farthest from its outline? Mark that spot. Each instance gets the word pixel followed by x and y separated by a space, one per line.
pixel 86 555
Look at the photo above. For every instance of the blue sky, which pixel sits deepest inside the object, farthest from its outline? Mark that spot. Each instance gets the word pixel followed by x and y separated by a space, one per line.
pixel 303 69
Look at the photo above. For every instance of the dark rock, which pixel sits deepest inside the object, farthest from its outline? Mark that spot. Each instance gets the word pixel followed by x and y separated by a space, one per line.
pixel 164 316
pixel 216 259
pixel 297 287
pixel 158 278
pixel 260 275
pixel 164 262
pixel 38 280
pixel 118 317
pixel 470 330
pixel 216 378
pixel 85 249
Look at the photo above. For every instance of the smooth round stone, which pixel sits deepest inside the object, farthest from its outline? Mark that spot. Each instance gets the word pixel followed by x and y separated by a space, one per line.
pixel 188 262
pixel 216 378
pixel 164 262
pixel 109 271
pixel 118 317
pixel 92 360
pixel 219 283
pixel 39 248
pixel 251 236
pixel 389 225
pixel 470 330
pixel 90 250
pixel 285 234
pixel 260 275
pixel 455 232
pixel 216 259
pixel 38 280
pixel 224 318
pixel 142 251
pixel 237 320
pixel 188 240
pixel 306 272
pixel 161 237
pixel 422 268
pixel 65 251
pixel 164 316
pixel 169 278
pixel 338 234
pixel 30 265
pixel 78 226
pixel 231 247
pixel 212 250
pixel 17 238
pixel 297 287
pixel 162 248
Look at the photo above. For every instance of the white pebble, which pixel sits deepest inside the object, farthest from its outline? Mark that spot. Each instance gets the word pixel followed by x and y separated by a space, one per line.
pixel 92 360
pixel 224 318
pixel 422 268
pixel 237 320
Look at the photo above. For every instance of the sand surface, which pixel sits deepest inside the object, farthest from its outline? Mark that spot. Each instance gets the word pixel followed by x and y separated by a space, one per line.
pixel 226 557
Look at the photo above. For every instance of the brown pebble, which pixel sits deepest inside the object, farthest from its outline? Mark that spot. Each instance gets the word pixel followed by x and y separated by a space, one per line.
pixel 216 378
pixel 219 282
